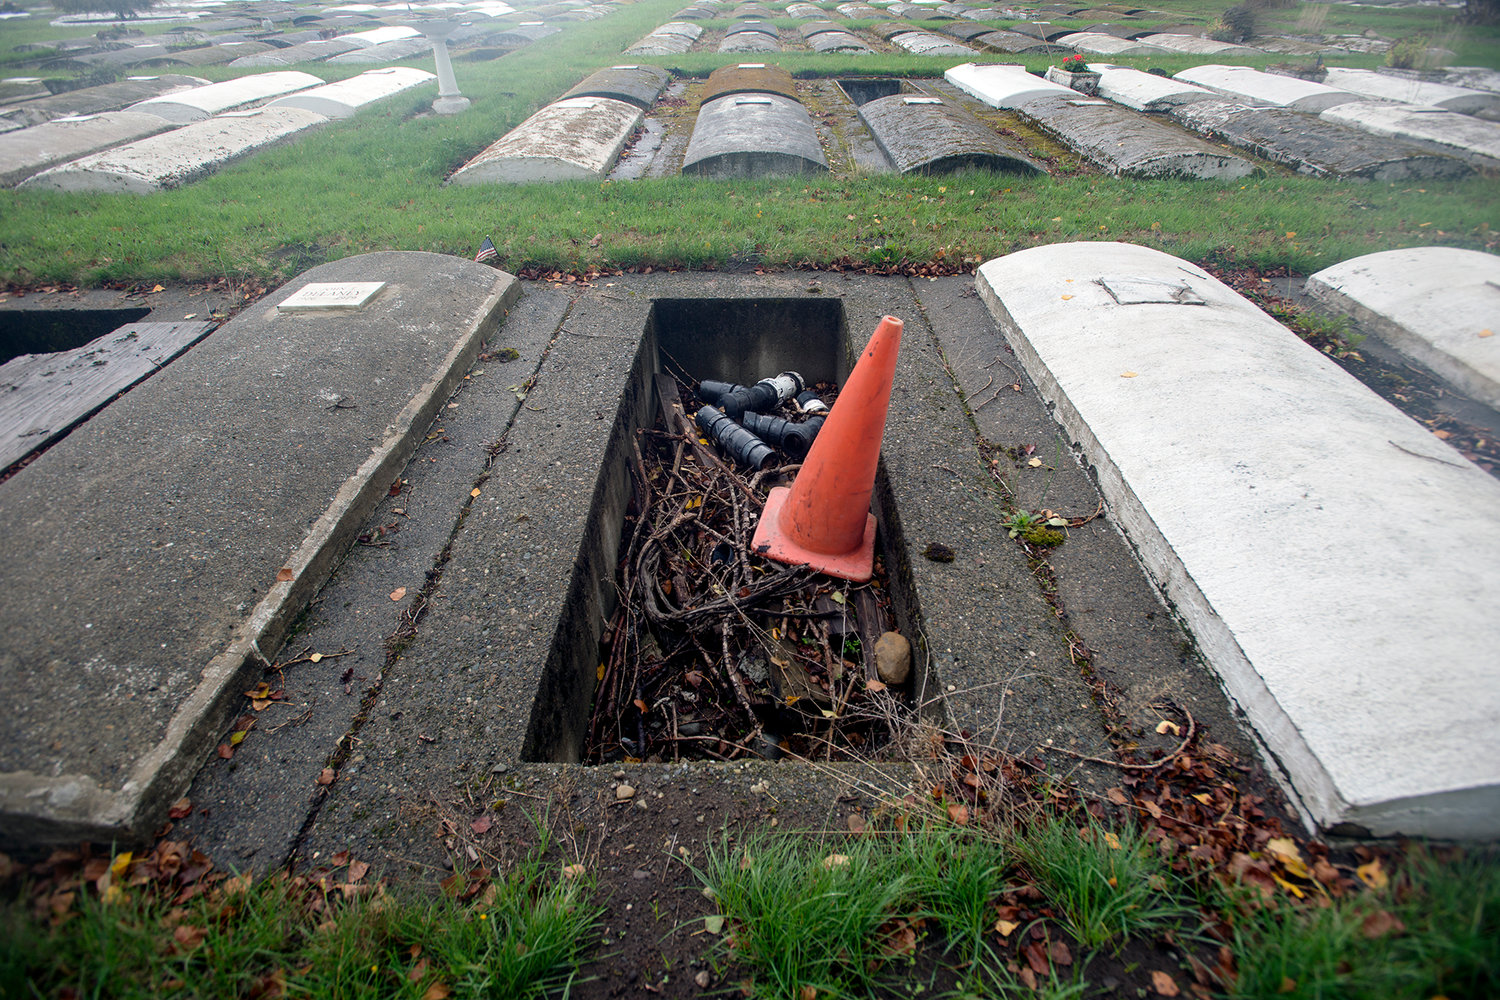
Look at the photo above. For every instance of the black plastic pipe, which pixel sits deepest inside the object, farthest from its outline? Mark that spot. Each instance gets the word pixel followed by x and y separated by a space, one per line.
pixel 743 447
pixel 794 439
pixel 763 396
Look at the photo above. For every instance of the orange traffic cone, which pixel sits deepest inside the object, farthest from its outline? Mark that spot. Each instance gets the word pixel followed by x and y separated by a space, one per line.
pixel 824 518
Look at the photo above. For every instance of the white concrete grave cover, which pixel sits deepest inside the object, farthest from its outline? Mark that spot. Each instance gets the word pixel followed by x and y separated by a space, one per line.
pixel 1266 88
pixel 579 137
pixel 1338 565
pixel 1384 87
pixel 217 98
pixel 1471 138
pixel 1194 45
pixel 180 156
pixel 344 97
pixel 29 151
pixel 1003 85
pixel 1437 305
pixel 382 36
pixel 1098 43
pixel 1146 91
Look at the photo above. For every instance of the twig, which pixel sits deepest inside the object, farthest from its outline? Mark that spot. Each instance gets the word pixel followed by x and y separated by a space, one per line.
pixel 1192 731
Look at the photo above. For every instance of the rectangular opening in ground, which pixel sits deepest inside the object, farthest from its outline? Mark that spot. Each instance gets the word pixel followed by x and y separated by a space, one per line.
pixel 867 89
pixel 728 656
pixel 47 331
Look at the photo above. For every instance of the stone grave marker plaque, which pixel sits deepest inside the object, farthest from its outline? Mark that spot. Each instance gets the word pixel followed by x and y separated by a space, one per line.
pixel 321 296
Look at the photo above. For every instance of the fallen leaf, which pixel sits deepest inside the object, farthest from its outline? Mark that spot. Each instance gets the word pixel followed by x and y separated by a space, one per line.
pixel 481 825
pixel 573 871
pixel 1288 985
pixel 358 870
pixel 1112 841
pixel 326 778
pixel 417 971
pixel 808 992
pixel 1006 927
pixel 315 658
pixel 475 492
pixel 158 288
pixel 1066 297
pixel 437 991
pixel 713 923
pixel 835 861
pixel 236 738
pixel 958 813
pixel 1057 950
pixel 1164 727
pixel 1034 463
pixel 1442 435
pixel 1373 875
pixel 1036 958
pixel 226 751
pixel 284 574
pixel 1128 374
pixel 398 593
pixel 180 809
pixel 1117 796
pixel 1486 333
pixel 188 937
pixel 1164 984
pixel 1379 924
pixel 856 824
pixel 340 859
pixel 875 686
pixel 595 241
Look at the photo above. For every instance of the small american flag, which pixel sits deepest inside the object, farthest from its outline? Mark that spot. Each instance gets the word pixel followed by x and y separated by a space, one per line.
pixel 487 251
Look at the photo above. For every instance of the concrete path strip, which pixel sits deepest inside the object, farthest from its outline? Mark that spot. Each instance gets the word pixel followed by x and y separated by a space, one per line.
pixel 1337 564
pixel 126 637
pixel 1439 306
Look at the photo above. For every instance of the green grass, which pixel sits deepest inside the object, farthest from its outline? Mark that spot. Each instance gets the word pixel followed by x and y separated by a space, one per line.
pixel 375 182
pixel 526 938
pixel 1345 950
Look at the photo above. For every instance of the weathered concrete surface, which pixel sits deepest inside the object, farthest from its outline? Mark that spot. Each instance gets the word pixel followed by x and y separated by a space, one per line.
pixel 125 649
pixel 1003 85
pixel 1130 143
pixel 1146 91
pixel 670 38
pixel 212 55
pixel 1194 45
pixel 1254 87
pixel 638 85
pixel 749 42
pixel 382 55
pixel 382 36
pixel 748 78
pixel 1384 87
pixel 92 100
pixel 1445 131
pixel 1096 43
pixel 178 157
pixel 1313 146
pixel 762 27
pixel 1438 305
pixel 925 43
pixel 347 97
pixel 218 98
pixel 837 41
pixel 1011 41
pixel 753 135
pixel 927 135
pixel 1287 512
pixel 29 151
pixel 305 52
pixel 579 137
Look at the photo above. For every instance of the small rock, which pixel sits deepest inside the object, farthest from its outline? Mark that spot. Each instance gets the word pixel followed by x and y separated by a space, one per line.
pixel 641 804
pixel 619 775
pixel 893 657
pixel 760 787
pixel 703 979
pixel 623 792
pixel 500 769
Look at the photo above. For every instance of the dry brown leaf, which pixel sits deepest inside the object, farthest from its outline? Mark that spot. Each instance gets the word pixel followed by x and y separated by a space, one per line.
pixel 1164 727
pixel 1380 923
pixel 1128 374
pixel 1036 958
pixel 835 861
pixel 437 991
pixel 284 574
pixel 875 686
pixel 180 809
pixel 1057 950
pixel 958 813
pixel 573 871
pixel 855 823
pixel 417 971
pixel 475 492
pixel 326 778
pixel 226 751
pixel 1373 875
pixel 398 593
pixel 1006 927
pixel 1164 984
pixel 481 825
pixel 808 993
pixel 1117 796
pixel 188 937
pixel 358 870
pixel 1288 985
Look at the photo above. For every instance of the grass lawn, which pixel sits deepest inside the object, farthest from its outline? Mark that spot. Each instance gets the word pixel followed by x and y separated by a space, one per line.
pixel 375 182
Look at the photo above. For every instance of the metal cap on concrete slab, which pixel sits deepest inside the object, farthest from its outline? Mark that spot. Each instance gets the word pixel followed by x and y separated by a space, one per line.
pixel 579 137
pixel 1287 512
pixel 753 135
pixel 126 650
pixel 1439 306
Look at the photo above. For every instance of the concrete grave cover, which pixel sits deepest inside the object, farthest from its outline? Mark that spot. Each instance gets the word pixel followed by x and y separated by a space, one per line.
pixel 1287 512
pixel 1476 141
pixel 92 100
pixel 927 135
pixel 749 78
pixel 1384 87
pixel 1107 45
pixel 345 97
pixel 1255 87
pixel 638 85
pixel 753 135
pixel 579 137
pixel 217 98
pixel 131 647
pixel 1003 85
pixel 1313 146
pixel 178 157
pixel 29 151
pixel 1146 91
pixel 1439 306
pixel 1130 143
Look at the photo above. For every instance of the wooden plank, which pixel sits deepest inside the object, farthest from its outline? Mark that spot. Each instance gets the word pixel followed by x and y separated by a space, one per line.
pixel 43 396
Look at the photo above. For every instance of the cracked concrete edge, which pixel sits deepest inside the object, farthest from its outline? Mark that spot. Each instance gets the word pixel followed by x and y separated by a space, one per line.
pixel 42 809
pixel 1275 735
